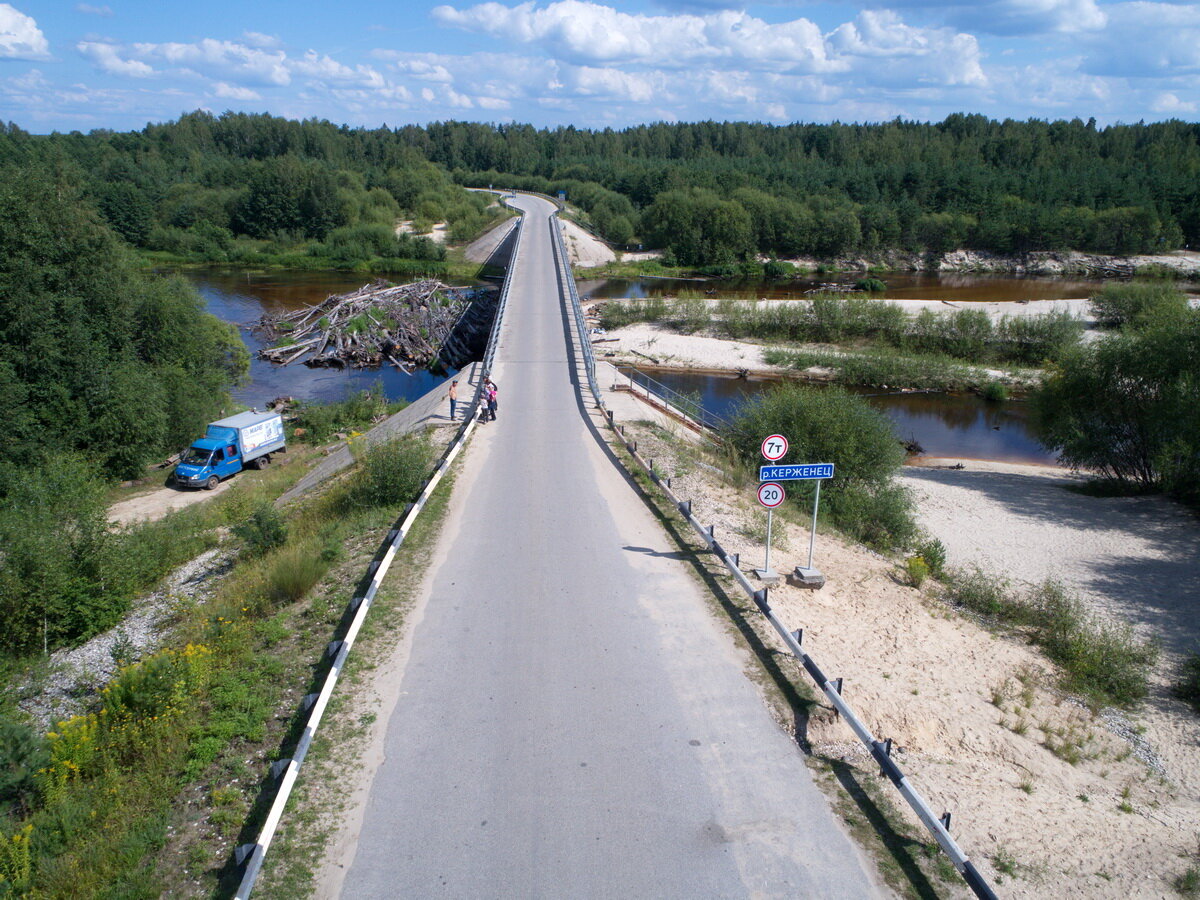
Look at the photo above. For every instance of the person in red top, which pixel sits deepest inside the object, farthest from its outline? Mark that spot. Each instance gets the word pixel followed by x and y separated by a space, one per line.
pixel 490 390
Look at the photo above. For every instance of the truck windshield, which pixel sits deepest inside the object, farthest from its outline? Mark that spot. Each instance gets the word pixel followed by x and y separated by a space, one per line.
pixel 196 457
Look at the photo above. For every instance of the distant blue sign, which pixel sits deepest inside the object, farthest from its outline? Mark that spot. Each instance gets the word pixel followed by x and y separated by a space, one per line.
pixel 807 472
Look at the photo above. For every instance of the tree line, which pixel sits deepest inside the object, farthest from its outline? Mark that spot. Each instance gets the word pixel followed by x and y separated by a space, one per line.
pixel 710 191
pixel 707 192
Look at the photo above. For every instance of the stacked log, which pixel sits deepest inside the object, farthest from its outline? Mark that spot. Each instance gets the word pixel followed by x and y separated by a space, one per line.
pixel 404 325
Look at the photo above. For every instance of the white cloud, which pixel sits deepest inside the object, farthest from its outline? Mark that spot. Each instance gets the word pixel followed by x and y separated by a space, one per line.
pixel 233 92
pixel 1146 39
pixel 107 58
pixel 227 60
pixel 89 10
pixel 588 33
pixel 1170 104
pixel 261 41
pixel 1012 17
pixel 20 37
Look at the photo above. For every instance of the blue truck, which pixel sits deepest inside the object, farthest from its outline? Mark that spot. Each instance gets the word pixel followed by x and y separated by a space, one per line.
pixel 228 446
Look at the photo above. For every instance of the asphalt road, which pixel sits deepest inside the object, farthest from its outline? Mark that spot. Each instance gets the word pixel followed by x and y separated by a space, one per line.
pixel 573 720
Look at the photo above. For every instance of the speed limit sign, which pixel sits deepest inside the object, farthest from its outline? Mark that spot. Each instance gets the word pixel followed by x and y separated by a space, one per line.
pixel 770 494
pixel 774 447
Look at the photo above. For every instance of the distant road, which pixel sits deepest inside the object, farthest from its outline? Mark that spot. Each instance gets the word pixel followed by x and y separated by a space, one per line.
pixel 572 719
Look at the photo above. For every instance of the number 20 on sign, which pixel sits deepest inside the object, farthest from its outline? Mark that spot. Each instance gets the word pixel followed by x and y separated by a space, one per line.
pixel 770 494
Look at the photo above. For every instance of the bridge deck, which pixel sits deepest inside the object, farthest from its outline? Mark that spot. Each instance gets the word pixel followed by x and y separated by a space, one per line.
pixel 570 719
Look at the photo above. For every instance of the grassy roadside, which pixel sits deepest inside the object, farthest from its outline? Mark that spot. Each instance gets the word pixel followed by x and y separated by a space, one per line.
pixel 321 795
pixel 144 793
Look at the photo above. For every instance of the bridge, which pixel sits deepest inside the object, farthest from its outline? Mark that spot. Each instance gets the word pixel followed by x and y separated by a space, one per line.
pixel 571 719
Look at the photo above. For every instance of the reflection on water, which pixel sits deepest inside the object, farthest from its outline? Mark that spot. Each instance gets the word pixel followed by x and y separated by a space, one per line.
pixel 961 425
pixel 900 286
pixel 243 297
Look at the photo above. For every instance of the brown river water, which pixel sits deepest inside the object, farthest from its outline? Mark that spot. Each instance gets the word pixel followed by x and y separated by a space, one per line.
pixel 943 424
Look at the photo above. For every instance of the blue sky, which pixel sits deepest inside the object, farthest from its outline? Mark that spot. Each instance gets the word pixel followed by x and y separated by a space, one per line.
pixel 596 63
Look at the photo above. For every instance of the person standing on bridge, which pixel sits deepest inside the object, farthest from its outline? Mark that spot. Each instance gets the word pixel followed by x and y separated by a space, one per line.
pixel 491 389
pixel 453 395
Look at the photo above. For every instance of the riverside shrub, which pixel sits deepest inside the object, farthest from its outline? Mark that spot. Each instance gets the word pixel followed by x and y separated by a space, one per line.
pixel 832 425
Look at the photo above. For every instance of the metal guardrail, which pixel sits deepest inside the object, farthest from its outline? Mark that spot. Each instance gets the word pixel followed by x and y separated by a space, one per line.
pixel 832 688
pixel 563 262
pixel 288 770
pixel 682 403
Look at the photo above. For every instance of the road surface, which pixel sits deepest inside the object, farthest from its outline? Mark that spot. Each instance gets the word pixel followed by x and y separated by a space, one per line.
pixel 572 720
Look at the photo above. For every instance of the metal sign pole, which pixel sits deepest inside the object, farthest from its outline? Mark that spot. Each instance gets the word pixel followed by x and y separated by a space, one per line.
pixel 812 535
pixel 767 564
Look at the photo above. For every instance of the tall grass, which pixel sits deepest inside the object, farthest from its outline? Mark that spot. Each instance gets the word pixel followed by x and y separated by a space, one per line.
pixel 884 368
pixel 963 334
pixel 1101 659
pixel 319 422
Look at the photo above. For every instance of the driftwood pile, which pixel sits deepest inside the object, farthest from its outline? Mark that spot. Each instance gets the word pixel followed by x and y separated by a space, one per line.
pixel 404 325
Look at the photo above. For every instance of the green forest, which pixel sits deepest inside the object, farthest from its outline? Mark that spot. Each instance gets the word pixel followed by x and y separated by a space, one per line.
pixel 256 188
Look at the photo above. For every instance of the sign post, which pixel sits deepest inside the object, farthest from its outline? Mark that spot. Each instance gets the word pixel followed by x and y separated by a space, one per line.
pixel 774 447
pixel 806 576
pixel 770 495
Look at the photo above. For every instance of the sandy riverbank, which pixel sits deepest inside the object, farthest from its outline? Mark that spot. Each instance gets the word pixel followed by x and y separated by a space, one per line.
pixel 978 715
pixel 1048 798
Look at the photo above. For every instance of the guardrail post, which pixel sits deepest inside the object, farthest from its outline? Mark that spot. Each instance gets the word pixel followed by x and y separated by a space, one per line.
pixel 798 634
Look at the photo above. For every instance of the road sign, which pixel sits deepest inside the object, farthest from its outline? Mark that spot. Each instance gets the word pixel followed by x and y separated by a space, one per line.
pixel 805 472
pixel 771 495
pixel 775 447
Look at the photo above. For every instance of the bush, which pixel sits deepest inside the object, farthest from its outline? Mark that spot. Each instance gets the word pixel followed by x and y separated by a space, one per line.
pixel 871 285
pixel 979 592
pixel 263 531
pixel 831 425
pixel 1104 660
pixel 933 552
pixel 777 269
pixel 293 570
pixel 321 421
pixel 1128 407
pixel 392 473
pixel 995 392
pixel 1133 303
pixel 916 570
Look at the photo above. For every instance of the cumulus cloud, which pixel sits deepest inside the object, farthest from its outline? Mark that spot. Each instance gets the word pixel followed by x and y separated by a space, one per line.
pixel 234 92
pixel 1146 39
pixel 20 37
pixel 226 60
pixel 1170 104
pixel 587 33
pixel 1012 17
pixel 107 58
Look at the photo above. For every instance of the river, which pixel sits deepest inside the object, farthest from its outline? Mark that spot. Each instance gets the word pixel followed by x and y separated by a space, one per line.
pixel 943 424
pixel 954 425
pixel 243 297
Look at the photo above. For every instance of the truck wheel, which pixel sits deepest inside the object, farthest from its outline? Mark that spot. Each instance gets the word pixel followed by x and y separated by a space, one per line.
pixel 211 484
pixel 261 462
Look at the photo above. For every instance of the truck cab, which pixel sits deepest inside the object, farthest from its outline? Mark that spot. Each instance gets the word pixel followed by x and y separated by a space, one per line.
pixel 207 462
